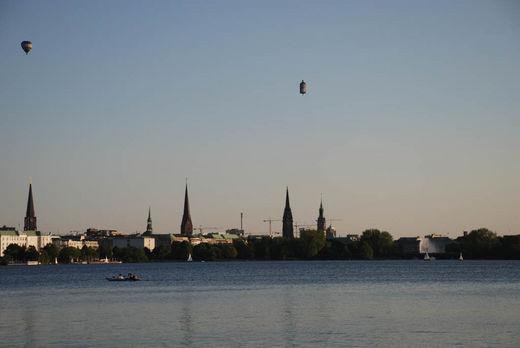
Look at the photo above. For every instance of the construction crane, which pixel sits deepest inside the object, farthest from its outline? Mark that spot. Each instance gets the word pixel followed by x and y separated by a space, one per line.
pixel 201 228
pixel 297 227
pixel 270 225
pixel 329 219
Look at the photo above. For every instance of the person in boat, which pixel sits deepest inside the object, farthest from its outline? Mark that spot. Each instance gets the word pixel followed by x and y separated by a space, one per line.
pixel 120 276
pixel 132 277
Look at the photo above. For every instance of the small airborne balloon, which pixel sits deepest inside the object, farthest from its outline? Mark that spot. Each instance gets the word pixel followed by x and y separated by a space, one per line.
pixel 26 46
pixel 303 87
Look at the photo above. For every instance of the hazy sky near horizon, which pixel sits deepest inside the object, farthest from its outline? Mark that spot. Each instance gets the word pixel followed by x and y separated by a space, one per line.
pixel 411 123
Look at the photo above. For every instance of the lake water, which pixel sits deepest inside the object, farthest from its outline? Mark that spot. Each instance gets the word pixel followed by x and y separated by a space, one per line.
pixel 263 304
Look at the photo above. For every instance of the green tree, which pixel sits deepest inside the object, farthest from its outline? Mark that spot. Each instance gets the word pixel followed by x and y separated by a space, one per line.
pixel 365 251
pixel 105 251
pixel 262 248
pixel 14 252
pixel 380 242
pixel 282 249
pixel 52 251
pixel 161 253
pixel 311 243
pixel 88 253
pixel 44 257
pixel 481 243
pixel 227 251
pixel 130 254
pixel 244 250
pixel 335 250
pixel 206 252
pixel 181 250
pixel 510 247
pixel 31 254
pixel 68 255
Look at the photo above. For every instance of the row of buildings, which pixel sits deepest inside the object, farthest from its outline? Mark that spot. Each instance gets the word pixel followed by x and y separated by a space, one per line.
pixel 30 236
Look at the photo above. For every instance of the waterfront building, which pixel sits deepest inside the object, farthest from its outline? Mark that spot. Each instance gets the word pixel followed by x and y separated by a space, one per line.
pixel 75 242
pixel 350 238
pixel 235 231
pixel 217 238
pixel 100 234
pixel 140 242
pixel 322 224
pixel 434 244
pixel 164 239
pixel 25 239
pixel 149 229
pixel 409 245
pixel 30 216
pixel 331 232
pixel 186 224
pixel 287 228
pixel 431 244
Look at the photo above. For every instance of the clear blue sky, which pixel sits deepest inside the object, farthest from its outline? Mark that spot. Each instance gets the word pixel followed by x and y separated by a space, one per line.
pixel 411 121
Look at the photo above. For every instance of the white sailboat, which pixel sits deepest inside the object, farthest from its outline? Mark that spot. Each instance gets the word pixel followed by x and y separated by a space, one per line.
pixel 189 258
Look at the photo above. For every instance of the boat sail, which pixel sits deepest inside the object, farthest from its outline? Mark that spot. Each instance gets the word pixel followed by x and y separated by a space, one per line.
pixel 189 258
pixel 460 257
pixel 426 257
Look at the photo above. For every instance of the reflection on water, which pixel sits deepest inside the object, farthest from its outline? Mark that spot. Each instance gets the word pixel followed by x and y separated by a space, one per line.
pixel 186 321
pixel 287 319
pixel 258 304
pixel 28 321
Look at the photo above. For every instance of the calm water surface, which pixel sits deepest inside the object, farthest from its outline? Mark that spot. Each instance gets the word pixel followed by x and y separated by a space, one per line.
pixel 263 304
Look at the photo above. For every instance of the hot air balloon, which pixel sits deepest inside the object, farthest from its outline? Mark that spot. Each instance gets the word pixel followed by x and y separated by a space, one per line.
pixel 303 87
pixel 26 46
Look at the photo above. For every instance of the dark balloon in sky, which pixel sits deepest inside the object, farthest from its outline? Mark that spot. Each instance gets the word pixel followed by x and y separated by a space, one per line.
pixel 26 46
pixel 303 87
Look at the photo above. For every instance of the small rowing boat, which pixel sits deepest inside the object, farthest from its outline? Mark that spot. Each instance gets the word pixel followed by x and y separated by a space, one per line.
pixel 131 278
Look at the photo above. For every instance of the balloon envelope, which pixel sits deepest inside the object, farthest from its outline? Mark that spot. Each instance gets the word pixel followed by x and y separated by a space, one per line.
pixel 303 87
pixel 26 46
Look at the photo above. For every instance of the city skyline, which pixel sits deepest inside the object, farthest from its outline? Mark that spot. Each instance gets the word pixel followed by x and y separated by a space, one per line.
pixel 289 227
pixel 409 123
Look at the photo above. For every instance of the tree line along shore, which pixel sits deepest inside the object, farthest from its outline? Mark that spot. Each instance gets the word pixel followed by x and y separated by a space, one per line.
pixel 312 245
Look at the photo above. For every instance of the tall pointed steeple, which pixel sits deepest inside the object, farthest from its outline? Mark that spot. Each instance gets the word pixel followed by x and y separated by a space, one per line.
pixel 186 224
pixel 322 224
pixel 30 217
pixel 149 229
pixel 287 229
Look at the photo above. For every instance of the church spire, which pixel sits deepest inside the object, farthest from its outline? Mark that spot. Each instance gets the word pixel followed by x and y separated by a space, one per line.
pixel 287 228
pixel 186 224
pixel 149 229
pixel 322 224
pixel 30 216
